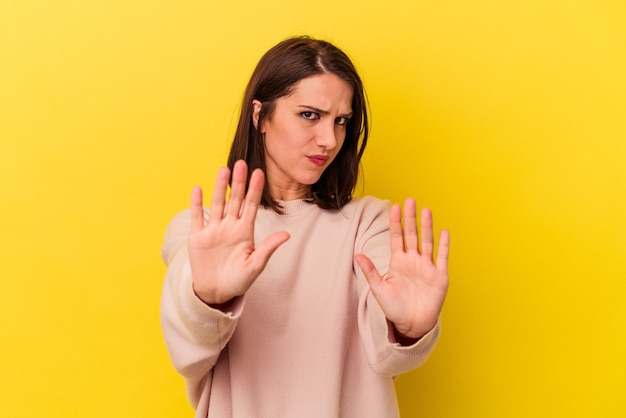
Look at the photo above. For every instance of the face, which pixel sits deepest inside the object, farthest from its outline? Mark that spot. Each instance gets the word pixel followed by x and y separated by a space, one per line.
pixel 304 133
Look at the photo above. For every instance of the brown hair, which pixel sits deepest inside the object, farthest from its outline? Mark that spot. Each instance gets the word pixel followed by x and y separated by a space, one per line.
pixel 274 76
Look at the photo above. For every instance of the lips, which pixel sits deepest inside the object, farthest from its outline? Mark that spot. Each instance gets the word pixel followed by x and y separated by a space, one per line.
pixel 318 160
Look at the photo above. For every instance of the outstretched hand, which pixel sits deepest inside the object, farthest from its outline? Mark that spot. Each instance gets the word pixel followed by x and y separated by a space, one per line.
pixel 412 292
pixel 224 261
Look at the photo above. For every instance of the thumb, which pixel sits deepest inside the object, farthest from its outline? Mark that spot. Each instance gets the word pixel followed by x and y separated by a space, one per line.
pixel 267 247
pixel 369 270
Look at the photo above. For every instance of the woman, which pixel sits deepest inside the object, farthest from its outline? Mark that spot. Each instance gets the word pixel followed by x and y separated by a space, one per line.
pixel 291 299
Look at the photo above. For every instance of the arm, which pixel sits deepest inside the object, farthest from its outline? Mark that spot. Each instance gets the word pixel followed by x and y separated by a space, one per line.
pixel 398 314
pixel 194 333
pixel 211 263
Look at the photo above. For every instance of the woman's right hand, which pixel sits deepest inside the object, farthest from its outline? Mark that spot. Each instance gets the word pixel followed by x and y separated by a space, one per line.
pixel 224 261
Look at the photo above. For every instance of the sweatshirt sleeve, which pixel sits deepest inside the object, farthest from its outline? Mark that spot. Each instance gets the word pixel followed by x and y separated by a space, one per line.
pixel 385 355
pixel 194 333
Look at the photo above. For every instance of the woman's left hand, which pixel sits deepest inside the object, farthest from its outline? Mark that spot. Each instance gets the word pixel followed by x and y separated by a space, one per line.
pixel 411 294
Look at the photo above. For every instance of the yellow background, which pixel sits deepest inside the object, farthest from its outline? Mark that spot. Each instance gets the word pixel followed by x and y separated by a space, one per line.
pixel 507 118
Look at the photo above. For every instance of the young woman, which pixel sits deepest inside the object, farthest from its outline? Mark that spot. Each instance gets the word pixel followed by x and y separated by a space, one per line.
pixel 290 298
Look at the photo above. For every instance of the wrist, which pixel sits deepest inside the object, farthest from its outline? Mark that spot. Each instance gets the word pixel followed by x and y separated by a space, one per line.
pixel 211 297
pixel 224 307
pixel 405 340
pixel 410 335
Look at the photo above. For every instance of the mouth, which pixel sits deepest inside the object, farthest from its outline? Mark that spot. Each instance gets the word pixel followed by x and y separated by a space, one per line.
pixel 317 160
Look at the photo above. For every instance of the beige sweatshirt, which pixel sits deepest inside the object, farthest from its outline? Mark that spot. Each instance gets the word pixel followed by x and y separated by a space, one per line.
pixel 308 339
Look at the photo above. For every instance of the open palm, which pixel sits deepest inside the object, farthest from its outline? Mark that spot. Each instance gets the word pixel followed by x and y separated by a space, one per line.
pixel 223 258
pixel 412 292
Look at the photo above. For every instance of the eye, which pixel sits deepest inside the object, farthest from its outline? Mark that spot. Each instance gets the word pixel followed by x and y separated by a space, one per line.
pixel 308 115
pixel 341 120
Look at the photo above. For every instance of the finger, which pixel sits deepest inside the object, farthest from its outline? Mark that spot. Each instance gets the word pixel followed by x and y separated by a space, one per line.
pixel 267 247
pixel 410 225
pixel 395 229
pixel 253 197
pixel 219 194
pixel 197 211
pixel 443 251
pixel 237 188
pixel 426 243
pixel 370 272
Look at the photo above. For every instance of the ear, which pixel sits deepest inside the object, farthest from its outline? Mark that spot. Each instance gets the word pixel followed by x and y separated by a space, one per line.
pixel 256 111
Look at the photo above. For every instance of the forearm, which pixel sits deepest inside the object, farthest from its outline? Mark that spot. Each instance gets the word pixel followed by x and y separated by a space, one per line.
pixel 194 332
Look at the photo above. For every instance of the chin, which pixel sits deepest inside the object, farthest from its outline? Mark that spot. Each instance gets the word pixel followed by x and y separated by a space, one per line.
pixel 309 181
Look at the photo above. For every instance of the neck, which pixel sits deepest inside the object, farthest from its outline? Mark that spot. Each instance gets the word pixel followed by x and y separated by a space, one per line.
pixel 289 193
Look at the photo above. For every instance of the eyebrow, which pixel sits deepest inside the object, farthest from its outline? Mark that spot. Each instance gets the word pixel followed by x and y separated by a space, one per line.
pixel 322 111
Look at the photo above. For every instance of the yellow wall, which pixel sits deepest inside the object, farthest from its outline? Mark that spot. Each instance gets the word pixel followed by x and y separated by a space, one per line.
pixel 508 118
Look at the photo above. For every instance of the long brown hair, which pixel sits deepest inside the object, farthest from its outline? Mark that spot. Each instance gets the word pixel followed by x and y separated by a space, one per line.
pixel 274 76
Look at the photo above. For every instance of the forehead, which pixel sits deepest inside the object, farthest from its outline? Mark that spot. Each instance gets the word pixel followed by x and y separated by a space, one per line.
pixel 326 91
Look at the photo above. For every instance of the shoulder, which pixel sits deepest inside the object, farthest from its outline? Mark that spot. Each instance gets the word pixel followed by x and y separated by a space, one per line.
pixel 370 218
pixel 367 214
pixel 366 206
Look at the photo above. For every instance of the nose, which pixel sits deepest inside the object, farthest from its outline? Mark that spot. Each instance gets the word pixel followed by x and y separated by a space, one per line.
pixel 327 136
